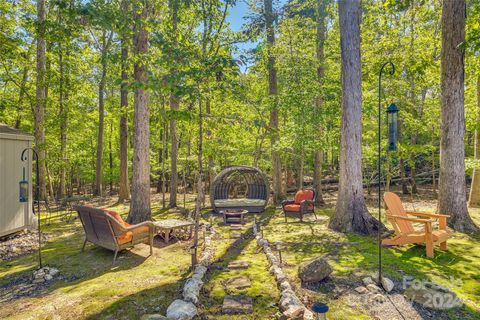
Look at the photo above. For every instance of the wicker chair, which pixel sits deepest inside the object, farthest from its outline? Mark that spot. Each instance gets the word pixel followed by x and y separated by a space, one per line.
pixel 303 203
pixel 252 179
pixel 108 230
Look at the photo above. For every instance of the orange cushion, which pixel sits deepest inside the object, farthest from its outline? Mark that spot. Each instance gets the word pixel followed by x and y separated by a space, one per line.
pixel 301 195
pixel 292 207
pixel 117 217
pixel 142 229
pixel 124 238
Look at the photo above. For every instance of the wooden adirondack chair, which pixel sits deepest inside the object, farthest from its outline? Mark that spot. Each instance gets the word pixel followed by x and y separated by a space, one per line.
pixel 404 231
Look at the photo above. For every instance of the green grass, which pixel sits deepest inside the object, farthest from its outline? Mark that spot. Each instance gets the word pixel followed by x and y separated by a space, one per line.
pixel 93 288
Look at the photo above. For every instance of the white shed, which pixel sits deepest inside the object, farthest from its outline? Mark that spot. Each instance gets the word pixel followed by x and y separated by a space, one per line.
pixel 14 215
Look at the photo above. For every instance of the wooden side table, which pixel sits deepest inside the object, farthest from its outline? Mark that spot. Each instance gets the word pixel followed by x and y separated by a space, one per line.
pixel 174 228
pixel 234 216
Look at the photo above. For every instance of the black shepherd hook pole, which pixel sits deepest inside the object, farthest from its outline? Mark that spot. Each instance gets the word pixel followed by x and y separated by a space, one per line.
pixel 24 157
pixel 391 72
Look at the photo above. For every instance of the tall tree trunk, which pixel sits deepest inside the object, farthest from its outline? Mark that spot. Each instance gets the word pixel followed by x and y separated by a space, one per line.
pixel 124 188
pixel 174 104
pixel 140 208
pixel 63 126
pixel 452 185
pixel 40 97
pixel 474 199
pixel 351 214
pixel 173 153
pixel 278 195
pixel 318 158
pixel 101 116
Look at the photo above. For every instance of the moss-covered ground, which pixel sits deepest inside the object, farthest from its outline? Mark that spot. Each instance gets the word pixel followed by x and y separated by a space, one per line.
pixel 91 287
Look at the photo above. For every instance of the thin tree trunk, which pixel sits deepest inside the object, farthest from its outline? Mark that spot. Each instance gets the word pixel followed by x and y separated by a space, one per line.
pixel 40 97
pixel 63 126
pixel 124 188
pixel 452 185
pixel 174 105
pixel 49 180
pixel 278 194
pixel 351 214
pixel 101 117
pixel 474 199
pixel 140 207
pixel 318 157
pixel 200 195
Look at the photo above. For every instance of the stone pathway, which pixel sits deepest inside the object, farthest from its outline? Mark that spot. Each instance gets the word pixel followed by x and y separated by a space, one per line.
pixel 237 304
pixel 241 303
pixel 238 264
pixel 238 283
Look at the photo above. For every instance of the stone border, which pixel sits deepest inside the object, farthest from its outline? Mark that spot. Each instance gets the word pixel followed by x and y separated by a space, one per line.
pixel 184 309
pixel 291 306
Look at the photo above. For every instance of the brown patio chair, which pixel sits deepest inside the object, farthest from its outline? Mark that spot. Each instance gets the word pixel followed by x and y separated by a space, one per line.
pixel 405 233
pixel 108 230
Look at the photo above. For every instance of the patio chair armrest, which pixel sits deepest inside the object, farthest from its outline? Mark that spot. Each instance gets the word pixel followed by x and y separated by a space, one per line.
pixel 141 224
pixel 425 221
pixel 305 203
pixel 285 202
pixel 427 214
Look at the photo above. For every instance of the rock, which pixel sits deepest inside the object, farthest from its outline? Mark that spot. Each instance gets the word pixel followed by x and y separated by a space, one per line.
pixel 361 289
pixel 181 310
pixel 153 317
pixel 374 288
pixel 289 300
pixel 387 284
pixel 238 264
pixel 294 312
pixel 368 280
pixel 379 298
pixel 308 315
pixel 235 235
pixel 199 272
pixel 285 285
pixel 39 280
pixel 315 270
pixel 53 271
pixel 238 283
pixel 436 298
pixel 191 290
pixel 237 304
pixel 48 277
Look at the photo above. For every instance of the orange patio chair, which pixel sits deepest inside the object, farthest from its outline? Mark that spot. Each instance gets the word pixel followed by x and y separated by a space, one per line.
pixel 303 203
pixel 405 233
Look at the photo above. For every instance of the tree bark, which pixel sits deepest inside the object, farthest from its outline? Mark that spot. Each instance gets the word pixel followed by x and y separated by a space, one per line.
pixel 40 97
pixel 124 188
pixel 474 199
pixel 278 194
pixel 101 116
pixel 174 105
pixel 351 214
pixel 318 158
pixel 452 185
pixel 63 125
pixel 140 207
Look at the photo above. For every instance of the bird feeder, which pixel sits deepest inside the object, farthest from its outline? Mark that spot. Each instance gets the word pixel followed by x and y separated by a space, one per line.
pixel 23 189
pixel 392 117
